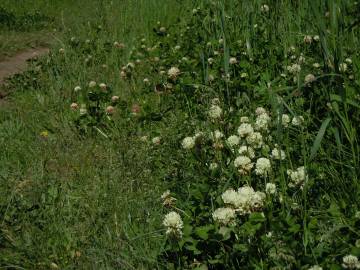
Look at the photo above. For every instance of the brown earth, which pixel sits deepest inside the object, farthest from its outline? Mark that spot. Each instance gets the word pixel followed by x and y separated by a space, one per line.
pixel 16 64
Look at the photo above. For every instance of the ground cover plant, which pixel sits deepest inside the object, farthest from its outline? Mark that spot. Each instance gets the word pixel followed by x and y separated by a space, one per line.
pixel 223 137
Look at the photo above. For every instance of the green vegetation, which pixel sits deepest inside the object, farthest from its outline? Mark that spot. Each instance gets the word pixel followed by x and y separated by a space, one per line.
pixel 247 113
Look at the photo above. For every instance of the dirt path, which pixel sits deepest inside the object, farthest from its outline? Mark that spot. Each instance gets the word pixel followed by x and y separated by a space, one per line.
pixel 17 63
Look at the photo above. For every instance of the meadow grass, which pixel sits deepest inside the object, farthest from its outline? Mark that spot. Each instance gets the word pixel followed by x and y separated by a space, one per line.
pixel 75 200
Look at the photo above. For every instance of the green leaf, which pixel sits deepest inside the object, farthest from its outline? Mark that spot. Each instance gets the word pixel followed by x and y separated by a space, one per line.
pixel 202 232
pixel 319 137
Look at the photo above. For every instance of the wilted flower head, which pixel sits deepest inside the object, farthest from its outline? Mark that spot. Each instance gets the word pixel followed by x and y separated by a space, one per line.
pixel 263 167
pixel 167 199
pixel 188 143
pixel 308 39
pixel 103 86
pixel 243 164
pixel 225 216
pixel 173 73
pixel 173 224
pixel 74 106
pixel 351 262
pixel 110 110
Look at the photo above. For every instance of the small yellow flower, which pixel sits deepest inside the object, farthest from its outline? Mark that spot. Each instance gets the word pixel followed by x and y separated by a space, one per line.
pixel 44 134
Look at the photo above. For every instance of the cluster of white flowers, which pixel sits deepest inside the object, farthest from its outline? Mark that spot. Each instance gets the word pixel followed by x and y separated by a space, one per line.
pixel 315 267
pixel 188 143
pixel 245 129
pixel 215 112
pixel 255 139
pixel 225 216
pixel 263 167
pixel 298 177
pixel 270 188
pixel 277 153
pixel 243 164
pixel 245 200
pixel 233 141
pixel 247 151
pixel 351 262
pixel 173 73
pixel 297 120
pixel 294 69
pixel 173 224
pixel 262 122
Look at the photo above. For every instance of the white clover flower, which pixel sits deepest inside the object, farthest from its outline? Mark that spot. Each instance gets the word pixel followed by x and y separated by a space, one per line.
pixel 309 78
pixel 74 106
pixel 243 164
pixel 262 122
pixel 270 188
pixel 102 86
pixel 115 98
pixel 232 60
pixel 316 65
pixel 297 121
pixel 285 120
pixel 343 67
pixel 146 81
pixel 244 75
pixel 110 110
pixel 301 59
pixel 173 73
pixel 156 140
pixel 351 262
pixel 231 197
pixel 217 135
pixel 297 177
pixel 255 140
pixel 294 69
pixel 173 224
pixel 215 112
pixel 247 151
pixel 225 216
pixel 188 143
pixel 308 39
pixel 277 153
pixel 210 60
pixel 264 8
pixel 257 200
pixel 233 140
pixel 263 167
pixel 198 135
pixel 177 47
pixel 316 38
pixel 244 119
pixel 315 267
pixel 92 84
pixel 213 166
pixel 348 60
pixel 245 129
pixel 260 110
pixel 162 29
pixel 77 89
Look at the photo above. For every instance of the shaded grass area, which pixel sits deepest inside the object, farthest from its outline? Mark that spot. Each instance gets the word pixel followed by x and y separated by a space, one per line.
pixel 69 201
